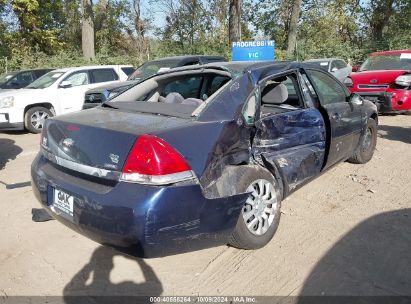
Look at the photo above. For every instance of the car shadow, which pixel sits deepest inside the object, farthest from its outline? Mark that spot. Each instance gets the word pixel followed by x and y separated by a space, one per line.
pixel 373 259
pixel 92 283
pixel 8 151
pixel 395 133
pixel 15 185
pixel 15 132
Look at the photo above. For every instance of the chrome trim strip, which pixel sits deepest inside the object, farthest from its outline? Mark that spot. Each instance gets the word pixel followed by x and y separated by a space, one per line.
pixel 89 170
pixel 158 179
pixel 373 86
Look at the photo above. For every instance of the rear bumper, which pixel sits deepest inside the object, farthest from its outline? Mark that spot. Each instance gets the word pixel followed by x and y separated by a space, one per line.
pixel 142 220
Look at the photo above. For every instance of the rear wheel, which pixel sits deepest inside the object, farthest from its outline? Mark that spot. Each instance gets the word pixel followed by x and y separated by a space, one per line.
pixel 366 147
pixel 260 214
pixel 35 117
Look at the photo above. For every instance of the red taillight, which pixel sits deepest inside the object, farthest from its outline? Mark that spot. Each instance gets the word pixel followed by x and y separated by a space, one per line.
pixel 43 137
pixel 151 155
pixel 73 128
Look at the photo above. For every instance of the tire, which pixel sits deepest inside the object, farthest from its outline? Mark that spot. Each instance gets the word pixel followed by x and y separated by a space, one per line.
pixel 34 118
pixel 366 146
pixel 251 238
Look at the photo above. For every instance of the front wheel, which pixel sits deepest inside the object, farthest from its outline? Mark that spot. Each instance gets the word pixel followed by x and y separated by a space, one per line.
pixel 35 117
pixel 366 147
pixel 260 214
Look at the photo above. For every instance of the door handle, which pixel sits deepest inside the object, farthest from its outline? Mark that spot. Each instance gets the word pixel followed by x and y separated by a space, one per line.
pixel 336 116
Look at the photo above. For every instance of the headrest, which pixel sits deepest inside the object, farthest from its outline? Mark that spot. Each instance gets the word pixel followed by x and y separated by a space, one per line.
pixel 275 93
pixel 192 101
pixel 174 97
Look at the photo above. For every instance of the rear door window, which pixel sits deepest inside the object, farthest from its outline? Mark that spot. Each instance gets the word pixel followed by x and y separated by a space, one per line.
pixel 103 75
pixel 290 84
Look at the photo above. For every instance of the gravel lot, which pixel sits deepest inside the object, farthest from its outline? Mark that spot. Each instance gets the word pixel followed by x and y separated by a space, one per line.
pixel 346 233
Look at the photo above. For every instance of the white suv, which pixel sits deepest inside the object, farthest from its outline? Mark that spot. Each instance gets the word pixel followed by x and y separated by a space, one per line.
pixel 55 93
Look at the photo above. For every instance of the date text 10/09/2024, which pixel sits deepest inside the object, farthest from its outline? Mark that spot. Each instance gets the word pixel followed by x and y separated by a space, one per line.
pixel 202 299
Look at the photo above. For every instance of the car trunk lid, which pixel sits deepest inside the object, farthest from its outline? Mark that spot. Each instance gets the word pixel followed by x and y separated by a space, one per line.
pixel 102 140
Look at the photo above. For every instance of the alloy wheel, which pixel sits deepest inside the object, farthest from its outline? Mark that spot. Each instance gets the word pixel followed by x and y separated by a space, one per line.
pixel 367 140
pixel 260 207
pixel 37 119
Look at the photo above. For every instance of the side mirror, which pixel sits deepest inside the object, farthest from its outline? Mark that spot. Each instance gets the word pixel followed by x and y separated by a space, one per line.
pixel 355 68
pixel 334 70
pixel 65 84
pixel 356 99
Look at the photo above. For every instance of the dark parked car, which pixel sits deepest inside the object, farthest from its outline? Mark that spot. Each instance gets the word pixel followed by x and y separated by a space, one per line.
pixel 96 96
pixel 199 156
pixel 21 79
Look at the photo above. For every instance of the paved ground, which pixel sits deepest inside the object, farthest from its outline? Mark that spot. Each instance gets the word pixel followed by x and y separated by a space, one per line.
pixel 348 232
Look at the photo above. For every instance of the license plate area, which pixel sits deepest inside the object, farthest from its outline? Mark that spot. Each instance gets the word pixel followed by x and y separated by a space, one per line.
pixel 63 204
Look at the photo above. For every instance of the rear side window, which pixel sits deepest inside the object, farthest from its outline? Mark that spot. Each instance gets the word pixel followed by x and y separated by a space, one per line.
pixel 103 75
pixel 341 64
pixel 328 90
pixel 128 70
pixel 188 88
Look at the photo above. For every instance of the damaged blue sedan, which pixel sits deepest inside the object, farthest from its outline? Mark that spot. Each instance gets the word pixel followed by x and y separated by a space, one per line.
pixel 199 156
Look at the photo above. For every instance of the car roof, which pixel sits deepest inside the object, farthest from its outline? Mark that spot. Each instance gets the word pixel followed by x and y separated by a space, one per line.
pixel 259 69
pixel 30 70
pixel 182 59
pixel 81 68
pixel 322 59
pixel 393 52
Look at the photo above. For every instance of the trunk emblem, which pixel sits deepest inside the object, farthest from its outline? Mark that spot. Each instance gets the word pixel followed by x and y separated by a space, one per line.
pixel 68 142
pixel 373 80
pixel 114 158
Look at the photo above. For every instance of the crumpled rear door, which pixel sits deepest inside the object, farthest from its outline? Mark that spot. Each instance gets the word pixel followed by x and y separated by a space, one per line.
pixel 294 142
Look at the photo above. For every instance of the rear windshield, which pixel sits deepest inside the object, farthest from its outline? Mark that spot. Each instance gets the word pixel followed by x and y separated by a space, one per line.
pixel 152 67
pixel 387 62
pixel 175 94
pixel 166 109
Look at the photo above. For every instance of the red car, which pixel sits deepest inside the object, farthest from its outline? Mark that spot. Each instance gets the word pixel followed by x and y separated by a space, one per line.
pixel 385 79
